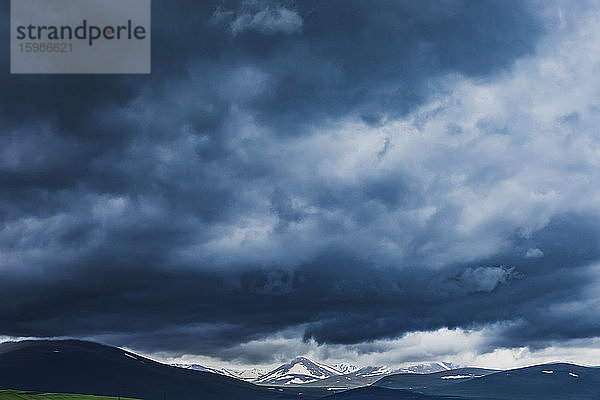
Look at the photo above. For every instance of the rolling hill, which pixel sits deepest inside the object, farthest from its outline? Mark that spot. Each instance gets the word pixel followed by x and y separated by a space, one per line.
pixel 540 382
pixel 88 368
pixel 422 381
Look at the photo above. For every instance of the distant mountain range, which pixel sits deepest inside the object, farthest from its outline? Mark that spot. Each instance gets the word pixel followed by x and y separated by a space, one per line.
pixel 369 375
pixel 301 371
pixel 89 368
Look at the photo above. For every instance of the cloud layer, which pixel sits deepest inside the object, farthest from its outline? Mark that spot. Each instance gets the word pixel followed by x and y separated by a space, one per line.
pixel 329 174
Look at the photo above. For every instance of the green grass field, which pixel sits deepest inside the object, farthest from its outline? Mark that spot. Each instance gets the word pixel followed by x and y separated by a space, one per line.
pixel 23 395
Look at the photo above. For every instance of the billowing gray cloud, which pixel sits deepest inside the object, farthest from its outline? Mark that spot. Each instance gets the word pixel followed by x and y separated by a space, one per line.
pixel 485 279
pixel 346 173
pixel 263 17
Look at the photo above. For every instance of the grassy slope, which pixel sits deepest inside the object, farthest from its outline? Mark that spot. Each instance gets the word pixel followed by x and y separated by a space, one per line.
pixel 20 395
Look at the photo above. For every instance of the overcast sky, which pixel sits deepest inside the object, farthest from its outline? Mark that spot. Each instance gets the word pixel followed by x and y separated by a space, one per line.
pixel 379 182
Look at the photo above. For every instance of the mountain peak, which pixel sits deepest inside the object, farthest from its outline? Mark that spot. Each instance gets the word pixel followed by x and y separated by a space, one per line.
pixel 300 359
pixel 298 371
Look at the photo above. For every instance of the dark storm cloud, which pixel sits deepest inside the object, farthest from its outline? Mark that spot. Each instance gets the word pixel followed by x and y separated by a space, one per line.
pixel 377 60
pixel 195 209
pixel 136 304
pixel 349 57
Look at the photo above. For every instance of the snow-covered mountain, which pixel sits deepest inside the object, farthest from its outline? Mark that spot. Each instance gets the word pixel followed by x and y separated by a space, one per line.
pixel 345 368
pixel 368 375
pixel 301 370
pixel 220 371
pixel 252 374
pixel 413 369
pixel 427 368
pixel 298 371
pixel 374 371
pixel 249 375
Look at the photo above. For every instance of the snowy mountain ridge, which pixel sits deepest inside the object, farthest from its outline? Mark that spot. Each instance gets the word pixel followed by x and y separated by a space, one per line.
pixel 345 368
pixel 219 371
pixel 301 370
